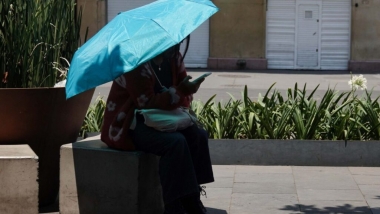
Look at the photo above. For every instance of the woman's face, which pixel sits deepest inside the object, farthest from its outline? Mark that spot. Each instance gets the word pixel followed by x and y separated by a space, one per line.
pixel 169 53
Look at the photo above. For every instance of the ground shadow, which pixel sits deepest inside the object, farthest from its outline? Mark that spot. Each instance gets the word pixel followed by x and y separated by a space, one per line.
pixel 211 210
pixel 347 208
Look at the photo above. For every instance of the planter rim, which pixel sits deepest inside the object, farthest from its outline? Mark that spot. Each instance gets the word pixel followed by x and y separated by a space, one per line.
pixel 293 140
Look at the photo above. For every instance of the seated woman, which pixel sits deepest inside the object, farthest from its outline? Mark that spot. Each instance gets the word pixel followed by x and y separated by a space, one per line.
pixel 161 83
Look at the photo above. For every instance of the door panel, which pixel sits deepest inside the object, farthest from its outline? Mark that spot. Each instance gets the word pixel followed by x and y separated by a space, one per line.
pixel 308 35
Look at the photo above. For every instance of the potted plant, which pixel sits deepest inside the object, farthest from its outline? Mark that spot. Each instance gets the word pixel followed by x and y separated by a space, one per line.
pixel 38 38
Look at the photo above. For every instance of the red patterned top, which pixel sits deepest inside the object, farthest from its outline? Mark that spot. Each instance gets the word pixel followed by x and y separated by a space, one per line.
pixel 135 90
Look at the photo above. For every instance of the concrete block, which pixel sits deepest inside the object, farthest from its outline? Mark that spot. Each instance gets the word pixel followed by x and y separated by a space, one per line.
pixel 294 152
pixel 18 180
pixel 96 179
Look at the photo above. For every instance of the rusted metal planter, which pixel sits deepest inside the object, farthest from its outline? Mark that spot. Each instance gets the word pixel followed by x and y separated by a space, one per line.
pixel 45 120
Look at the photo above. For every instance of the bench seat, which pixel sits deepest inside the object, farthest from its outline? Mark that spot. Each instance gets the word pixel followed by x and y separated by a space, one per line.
pixel 97 179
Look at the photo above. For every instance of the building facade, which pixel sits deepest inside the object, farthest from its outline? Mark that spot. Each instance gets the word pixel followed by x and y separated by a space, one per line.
pixel 275 34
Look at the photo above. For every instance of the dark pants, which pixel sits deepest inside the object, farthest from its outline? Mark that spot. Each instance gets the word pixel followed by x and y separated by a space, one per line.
pixel 185 159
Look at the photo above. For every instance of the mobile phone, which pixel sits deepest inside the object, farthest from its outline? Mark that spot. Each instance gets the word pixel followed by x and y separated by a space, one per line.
pixel 202 76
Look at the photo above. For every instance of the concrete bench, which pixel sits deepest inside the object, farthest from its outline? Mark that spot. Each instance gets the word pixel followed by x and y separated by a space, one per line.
pixel 18 180
pixel 96 179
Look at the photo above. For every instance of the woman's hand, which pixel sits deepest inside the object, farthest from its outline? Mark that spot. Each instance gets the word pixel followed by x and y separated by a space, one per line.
pixel 188 87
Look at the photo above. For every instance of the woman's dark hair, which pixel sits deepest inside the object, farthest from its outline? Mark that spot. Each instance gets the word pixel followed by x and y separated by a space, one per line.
pixel 178 46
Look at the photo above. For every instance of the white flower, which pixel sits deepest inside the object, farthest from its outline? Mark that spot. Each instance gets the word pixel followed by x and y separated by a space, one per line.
pixel 142 100
pixel 111 106
pixel 358 82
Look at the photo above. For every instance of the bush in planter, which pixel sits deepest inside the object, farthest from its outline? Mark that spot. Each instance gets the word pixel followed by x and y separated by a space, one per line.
pixel 337 116
pixel 36 37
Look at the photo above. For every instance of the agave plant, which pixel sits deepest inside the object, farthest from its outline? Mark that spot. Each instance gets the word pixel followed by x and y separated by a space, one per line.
pixel 370 117
pixel 94 117
pixel 35 36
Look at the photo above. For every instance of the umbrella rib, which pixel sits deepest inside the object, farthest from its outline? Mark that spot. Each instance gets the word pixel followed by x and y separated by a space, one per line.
pixel 163 29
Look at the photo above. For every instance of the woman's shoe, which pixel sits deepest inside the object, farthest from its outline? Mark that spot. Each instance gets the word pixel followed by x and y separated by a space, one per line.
pixel 202 192
pixel 191 204
pixel 174 208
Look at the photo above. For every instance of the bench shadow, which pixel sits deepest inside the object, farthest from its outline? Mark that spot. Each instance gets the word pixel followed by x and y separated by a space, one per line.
pixel 211 210
pixel 346 208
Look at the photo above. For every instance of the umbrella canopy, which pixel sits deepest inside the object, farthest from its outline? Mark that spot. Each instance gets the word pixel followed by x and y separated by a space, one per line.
pixel 132 38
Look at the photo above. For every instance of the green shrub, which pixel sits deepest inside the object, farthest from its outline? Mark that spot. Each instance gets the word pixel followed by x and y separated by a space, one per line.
pixel 94 117
pixel 337 116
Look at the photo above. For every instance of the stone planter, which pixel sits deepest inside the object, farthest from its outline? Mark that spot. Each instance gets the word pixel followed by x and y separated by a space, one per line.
pixel 294 152
pixel 45 120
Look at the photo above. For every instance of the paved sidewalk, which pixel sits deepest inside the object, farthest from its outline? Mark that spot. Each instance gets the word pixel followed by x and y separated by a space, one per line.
pixel 293 189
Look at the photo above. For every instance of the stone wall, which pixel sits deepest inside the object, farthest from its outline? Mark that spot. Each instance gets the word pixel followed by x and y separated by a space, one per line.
pixel 94 16
pixel 365 37
pixel 237 31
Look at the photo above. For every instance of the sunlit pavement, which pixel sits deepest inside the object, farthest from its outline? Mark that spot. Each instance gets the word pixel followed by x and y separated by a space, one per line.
pixel 293 189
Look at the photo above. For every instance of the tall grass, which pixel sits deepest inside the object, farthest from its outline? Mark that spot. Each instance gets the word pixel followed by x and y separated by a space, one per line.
pixel 33 36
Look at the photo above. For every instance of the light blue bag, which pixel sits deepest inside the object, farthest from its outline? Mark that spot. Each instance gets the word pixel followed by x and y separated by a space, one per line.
pixel 168 120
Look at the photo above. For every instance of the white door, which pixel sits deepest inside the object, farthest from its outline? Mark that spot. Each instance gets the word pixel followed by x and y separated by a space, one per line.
pixel 308 35
pixel 198 52
pixel 335 34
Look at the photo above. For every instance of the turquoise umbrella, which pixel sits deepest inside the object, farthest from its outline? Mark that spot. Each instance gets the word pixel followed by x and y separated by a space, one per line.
pixel 132 38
